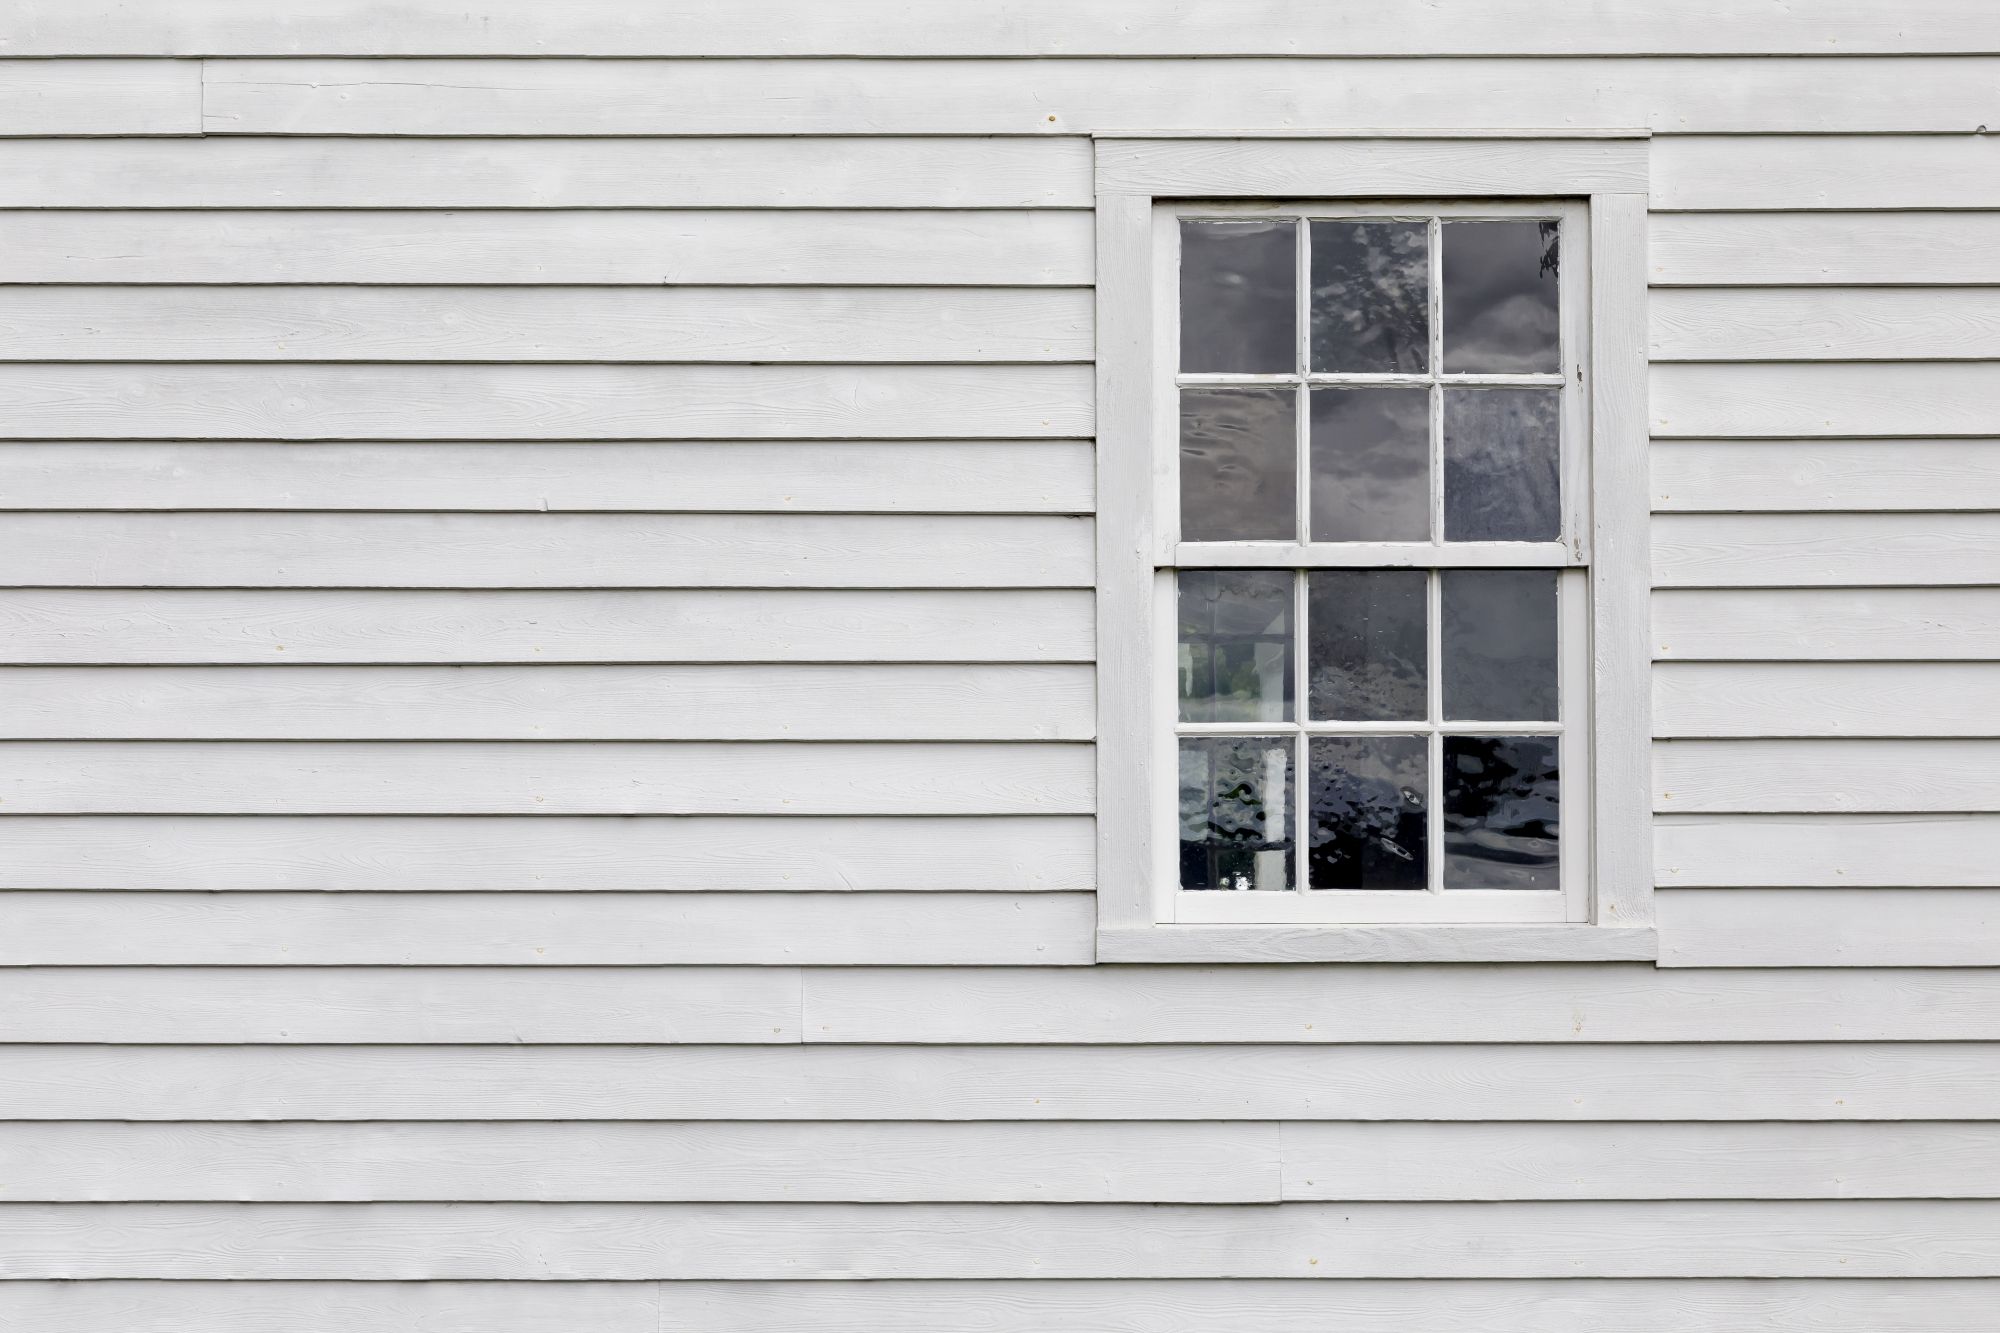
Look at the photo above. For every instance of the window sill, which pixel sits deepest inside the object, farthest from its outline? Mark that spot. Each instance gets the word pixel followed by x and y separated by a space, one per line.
pixel 1377 944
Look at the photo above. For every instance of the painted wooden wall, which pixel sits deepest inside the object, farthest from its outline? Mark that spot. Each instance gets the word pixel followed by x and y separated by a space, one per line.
pixel 546 779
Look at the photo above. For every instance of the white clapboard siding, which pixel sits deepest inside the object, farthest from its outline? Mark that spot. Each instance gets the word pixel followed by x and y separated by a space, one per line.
pixel 1827 851
pixel 1507 1002
pixel 530 402
pixel 110 97
pixel 694 97
pixel 305 550
pixel 1798 550
pixel 913 476
pixel 1828 624
pixel 1807 249
pixel 1806 776
pixel 736 702
pixel 1822 324
pixel 534 778
pixel 1185 1162
pixel 750 1242
pixel 1821 699
pixel 1730 1081
pixel 1276 163
pixel 413 854
pixel 547 173
pixel 187 625
pixel 588 324
pixel 1829 928
pixel 1419 1160
pixel 1752 172
pixel 530 929
pixel 1025 28
pixel 353 1307
pixel 1751 476
pixel 1810 399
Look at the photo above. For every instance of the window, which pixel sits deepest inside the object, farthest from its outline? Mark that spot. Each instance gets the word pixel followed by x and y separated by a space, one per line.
pixel 1372 669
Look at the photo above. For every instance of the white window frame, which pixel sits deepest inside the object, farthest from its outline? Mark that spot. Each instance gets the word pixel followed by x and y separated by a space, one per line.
pixel 1596 183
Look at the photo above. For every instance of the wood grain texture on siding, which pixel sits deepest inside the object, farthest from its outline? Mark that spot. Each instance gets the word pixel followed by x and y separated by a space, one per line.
pixel 1827 624
pixel 1729 1081
pixel 108 97
pixel 1823 324
pixel 1914 398
pixel 1826 775
pixel 538 930
pixel 1938 699
pixel 451 626
pixel 537 248
pixel 1069 96
pixel 1807 249
pixel 749 1242
pixel 546 173
pixel 346 550
pixel 1752 172
pixel 721 703
pixel 680 853
pixel 1799 550
pixel 1286 167
pixel 1827 851
pixel 592 1161
pixel 1033 27
pixel 911 476
pixel 430 402
pixel 1768 476
pixel 1898 927
pixel 544 777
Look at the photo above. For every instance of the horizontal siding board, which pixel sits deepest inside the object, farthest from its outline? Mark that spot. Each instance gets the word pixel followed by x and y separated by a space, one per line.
pixel 1216 1162
pixel 1827 624
pixel 1446 1082
pixel 749 1242
pixel 1900 927
pixel 1250 166
pixel 721 703
pixel 1753 476
pixel 542 930
pixel 909 476
pixel 1807 249
pixel 1847 550
pixel 840 173
pixel 110 97
pixel 418 854
pixel 1824 699
pixel 159 626
pixel 678 324
pixel 345 1307
pixel 1916 398
pixel 1827 851
pixel 537 248
pixel 1754 172
pixel 1826 775
pixel 555 96
pixel 348 550
pixel 428 402
pixel 1823 324
pixel 537 778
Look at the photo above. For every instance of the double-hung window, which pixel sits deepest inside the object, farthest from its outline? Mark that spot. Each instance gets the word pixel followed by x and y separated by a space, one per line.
pixel 1367 677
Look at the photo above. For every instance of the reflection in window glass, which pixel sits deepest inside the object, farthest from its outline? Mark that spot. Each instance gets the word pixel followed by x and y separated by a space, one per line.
pixel 1501 812
pixel 1500 297
pixel 1501 451
pixel 1371 464
pixel 1238 479
pixel 1236 645
pixel 1371 291
pixel 1499 644
pixel 1238 312
pixel 1368 812
pixel 1235 825
pixel 1366 650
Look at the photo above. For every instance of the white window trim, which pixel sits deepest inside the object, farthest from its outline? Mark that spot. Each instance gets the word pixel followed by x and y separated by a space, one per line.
pixel 1607 174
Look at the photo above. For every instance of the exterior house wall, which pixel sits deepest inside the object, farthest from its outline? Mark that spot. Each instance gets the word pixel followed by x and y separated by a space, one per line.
pixel 547 715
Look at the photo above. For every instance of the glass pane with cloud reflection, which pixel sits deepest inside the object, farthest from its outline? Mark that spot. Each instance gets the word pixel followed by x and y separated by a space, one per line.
pixel 1499 644
pixel 1238 297
pixel 1365 647
pixel 1501 812
pixel 1371 464
pixel 1368 812
pixel 1235 812
pixel 1501 454
pixel 1235 645
pixel 1238 475
pixel 1371 291
pixel 1500 297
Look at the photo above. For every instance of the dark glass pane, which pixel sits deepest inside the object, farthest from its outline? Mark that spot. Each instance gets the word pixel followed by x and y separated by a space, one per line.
pixel 1499 644
pixel 1236 817
pixel 1501 814
pixel 1501 450
pixel 1500 297
pixel 1371 291
pixel 1365 647
pixel 1371 465
pixel 1368 807
pixel 1238 479
pixel 1236 645
pixel 1238 310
